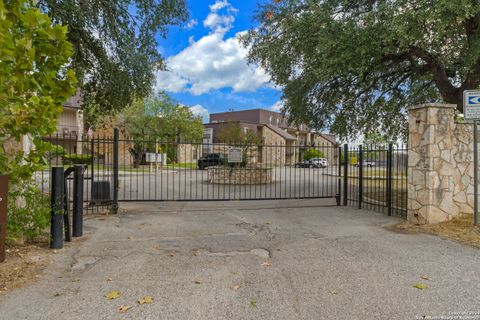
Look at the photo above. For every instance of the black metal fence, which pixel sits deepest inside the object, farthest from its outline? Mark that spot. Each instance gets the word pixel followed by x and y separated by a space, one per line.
pixel 375 178
pixel 71 149
pixel 125 169
pixel 155 170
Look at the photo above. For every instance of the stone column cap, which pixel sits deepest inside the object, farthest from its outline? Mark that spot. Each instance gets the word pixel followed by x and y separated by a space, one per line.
pixel 433 105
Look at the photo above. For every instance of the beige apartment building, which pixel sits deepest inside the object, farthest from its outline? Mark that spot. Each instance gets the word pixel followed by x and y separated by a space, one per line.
pixel 70 126
pixel 282 143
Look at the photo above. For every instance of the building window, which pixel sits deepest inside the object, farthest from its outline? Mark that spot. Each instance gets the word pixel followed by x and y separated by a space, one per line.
pixel 271 120
pixel 278 122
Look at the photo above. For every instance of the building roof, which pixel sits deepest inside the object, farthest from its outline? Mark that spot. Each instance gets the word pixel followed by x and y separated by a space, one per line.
pixel 282 133
pixel 75 101
pixel 330 137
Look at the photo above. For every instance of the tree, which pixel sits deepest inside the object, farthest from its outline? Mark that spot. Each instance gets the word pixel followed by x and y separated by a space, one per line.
pixel 356 65
pixel 311 153
pixel 232 134
pixel 34 82
pixel 115 45
pixel 159 119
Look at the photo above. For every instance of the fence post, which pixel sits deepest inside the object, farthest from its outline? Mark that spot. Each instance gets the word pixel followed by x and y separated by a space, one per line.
pixel 389 177
pixel 3 214
pixel 360 176
pixel 115 170
pixel 338 196
pixel 92 154
pixel 78 201
pixel 56 213
pixel 345 174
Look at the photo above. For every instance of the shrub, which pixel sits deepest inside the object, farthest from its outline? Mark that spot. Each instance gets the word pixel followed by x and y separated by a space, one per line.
pixel 77 159
pixel 56 151
pixel 31 218
pixel 313 153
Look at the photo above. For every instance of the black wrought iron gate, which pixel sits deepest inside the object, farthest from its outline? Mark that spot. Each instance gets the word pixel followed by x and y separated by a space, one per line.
pixel 123 169
pixel 154 170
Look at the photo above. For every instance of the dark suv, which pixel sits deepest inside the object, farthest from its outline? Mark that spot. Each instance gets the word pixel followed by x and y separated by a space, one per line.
pixel 210 160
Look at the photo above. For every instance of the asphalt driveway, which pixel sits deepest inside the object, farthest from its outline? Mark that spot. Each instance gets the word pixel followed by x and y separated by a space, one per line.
pixel 283 259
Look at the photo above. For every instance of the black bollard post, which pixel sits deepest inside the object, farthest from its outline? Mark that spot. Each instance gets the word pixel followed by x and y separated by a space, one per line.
pixel 57 198
pixel 66 205
pixel 78 201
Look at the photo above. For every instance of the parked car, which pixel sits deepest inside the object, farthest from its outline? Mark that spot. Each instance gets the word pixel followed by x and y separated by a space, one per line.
pixel 210 160
pixel 366 164
pixel 307 164
pixel 322 162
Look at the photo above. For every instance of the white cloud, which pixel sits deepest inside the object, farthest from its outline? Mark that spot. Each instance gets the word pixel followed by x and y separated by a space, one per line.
pixel 277 106
pixel 220 4
pixel 212 62
pixel 200 111
pixel 191 24
pixel 219 23
pixel 170 81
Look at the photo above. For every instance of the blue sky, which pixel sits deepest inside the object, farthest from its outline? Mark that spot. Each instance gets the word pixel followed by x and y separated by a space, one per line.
pixel 207 69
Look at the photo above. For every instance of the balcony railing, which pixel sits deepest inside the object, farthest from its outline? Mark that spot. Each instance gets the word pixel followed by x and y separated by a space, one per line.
pixel 67 131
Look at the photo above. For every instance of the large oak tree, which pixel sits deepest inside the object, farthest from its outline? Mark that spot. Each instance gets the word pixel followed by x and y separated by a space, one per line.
pixel 115 43
pixel 356 65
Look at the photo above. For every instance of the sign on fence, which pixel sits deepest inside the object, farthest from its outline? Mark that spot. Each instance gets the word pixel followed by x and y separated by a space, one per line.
pixel 471 104
pixel 235 155
pixel 151 157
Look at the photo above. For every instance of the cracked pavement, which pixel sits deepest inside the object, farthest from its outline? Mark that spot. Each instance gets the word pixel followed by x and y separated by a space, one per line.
pixel 287 259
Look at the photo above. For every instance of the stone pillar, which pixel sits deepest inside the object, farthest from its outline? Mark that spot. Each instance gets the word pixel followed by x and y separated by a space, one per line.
pixel 431 176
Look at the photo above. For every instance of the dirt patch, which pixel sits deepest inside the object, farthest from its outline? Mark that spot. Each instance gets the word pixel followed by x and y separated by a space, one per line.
pixel 23 265
pixel 459 229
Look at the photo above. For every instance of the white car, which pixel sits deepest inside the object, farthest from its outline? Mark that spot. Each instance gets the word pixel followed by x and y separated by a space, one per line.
pixel 366 164
pixel 322 162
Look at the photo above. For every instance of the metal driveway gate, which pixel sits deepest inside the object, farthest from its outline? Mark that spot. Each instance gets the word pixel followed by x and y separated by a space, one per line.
pixel 124 169
pixel 154 170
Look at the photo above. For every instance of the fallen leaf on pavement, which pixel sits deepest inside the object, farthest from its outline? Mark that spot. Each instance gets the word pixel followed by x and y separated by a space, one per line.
pixel 266 264
pixel 420 286
pixel 333 292
pixel 425 277
pixel 123 309
pixel 130 238
pixel 198 281
pixel 235 287
pixel 253 303
pixel 109 279
pixel 145 300
pixel 113 295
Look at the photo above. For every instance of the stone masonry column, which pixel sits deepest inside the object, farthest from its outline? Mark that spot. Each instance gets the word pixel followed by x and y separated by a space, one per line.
pixel 430 171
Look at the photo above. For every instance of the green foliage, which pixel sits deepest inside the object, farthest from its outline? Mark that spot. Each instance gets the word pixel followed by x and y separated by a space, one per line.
pixel 30 219
pixel 56 151
pixel 313 153
pixel 356 65
pixel 374 139
pixel 232 134
pixel 34 82
pixel 161 119
pixel 116 47
pixel 71 159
